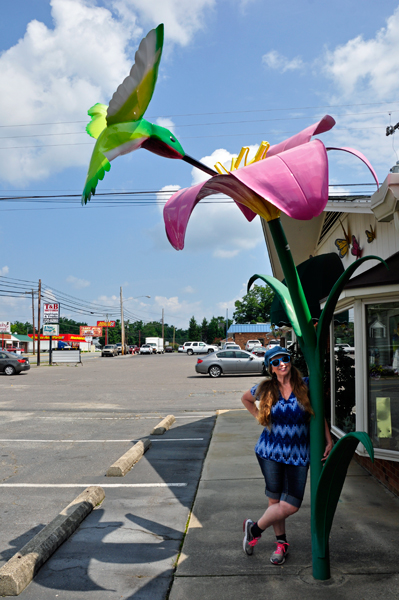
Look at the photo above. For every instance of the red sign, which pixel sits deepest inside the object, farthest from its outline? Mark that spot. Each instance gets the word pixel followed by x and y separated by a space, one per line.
pixel 92 331
pixel 106 323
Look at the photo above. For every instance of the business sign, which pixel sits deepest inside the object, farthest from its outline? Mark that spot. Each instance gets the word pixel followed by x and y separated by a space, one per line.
pixel 5 327
pixel 106 323
pixel 51 313
pixel 91 331
pixel 88 339
pixel 49 329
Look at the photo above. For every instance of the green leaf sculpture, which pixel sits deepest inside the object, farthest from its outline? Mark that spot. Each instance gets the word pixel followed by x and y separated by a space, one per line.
pixel 330 485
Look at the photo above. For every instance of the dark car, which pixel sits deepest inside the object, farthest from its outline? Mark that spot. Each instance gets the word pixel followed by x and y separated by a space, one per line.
pixel 169 349
pixel 11 363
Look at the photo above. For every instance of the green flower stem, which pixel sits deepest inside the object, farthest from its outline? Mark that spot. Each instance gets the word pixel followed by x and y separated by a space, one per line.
pixel 321 566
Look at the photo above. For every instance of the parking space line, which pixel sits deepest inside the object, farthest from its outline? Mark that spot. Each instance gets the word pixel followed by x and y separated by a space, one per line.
pixel 85 485
pixel 99 441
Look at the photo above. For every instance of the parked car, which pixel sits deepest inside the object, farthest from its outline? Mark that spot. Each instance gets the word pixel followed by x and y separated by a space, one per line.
pixel 146 349
pixel 134 349
pixel 251 343
pixel 14 349
pixel 169 349
pixel 259 351
pixel 180 349
pixel 119 348
pixel 109 350
pixel 229 362
pixel 198 348
pixel 11 363
pixel 272 343
pixel 229 345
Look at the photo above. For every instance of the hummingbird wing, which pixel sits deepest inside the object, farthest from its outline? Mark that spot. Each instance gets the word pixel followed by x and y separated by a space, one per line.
pixel 98 165
pixel 132 97
pixel 98 114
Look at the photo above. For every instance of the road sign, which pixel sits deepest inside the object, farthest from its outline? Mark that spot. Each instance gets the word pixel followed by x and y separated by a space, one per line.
pixel 93 331
pixel 5 327
pixel 51 313
pixel 106 323
pixel 51 329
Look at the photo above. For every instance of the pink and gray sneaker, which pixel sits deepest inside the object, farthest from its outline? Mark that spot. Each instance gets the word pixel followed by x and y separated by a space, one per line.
pixel 278 556
pixel 249 540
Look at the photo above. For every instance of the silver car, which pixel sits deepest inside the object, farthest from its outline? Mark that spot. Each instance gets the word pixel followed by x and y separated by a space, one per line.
pixel 109 350
pixel 229 362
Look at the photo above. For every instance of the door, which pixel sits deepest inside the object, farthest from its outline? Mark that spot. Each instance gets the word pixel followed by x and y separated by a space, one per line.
pixel 248 363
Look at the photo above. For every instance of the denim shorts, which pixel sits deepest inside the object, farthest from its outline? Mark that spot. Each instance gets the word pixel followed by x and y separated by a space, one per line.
pixel 284 482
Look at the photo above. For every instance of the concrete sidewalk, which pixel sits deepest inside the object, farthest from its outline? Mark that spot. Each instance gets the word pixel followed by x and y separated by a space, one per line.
pixel 364 543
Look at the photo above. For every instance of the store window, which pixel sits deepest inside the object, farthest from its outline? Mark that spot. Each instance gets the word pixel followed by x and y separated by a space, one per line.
pixel 344 362
pixel 383 374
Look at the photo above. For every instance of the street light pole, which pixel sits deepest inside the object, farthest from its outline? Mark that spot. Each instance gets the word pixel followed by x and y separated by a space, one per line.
pixel 122 326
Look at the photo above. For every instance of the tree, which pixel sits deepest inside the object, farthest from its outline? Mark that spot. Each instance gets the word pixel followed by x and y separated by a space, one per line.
pixel 21 328
pixel 204 330
pixel 194 332
pixel 254 306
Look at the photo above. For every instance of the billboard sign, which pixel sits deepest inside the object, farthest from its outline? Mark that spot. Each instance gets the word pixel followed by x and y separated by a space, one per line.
pixel 106 323
pixel 92 331
pixel 51 313
pixel 49 329
pixel 5 327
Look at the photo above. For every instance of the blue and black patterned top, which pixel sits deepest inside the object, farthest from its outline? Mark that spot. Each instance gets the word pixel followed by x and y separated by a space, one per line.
pixel 287 440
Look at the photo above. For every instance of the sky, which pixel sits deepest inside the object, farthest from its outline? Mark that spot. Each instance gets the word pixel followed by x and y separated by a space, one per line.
pixel 233 73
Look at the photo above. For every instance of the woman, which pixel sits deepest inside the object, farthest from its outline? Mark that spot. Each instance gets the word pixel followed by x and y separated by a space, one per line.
pixel 283 447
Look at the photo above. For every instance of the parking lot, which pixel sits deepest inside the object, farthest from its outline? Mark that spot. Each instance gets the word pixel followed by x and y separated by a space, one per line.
pixel 62 427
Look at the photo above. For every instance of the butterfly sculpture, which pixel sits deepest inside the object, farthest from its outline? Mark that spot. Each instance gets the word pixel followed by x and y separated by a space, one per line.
pixel 356 249
pixel 371 235
pixel 343 244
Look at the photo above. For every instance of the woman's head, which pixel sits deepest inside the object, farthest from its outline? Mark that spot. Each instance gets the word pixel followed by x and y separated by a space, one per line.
pixel 277 360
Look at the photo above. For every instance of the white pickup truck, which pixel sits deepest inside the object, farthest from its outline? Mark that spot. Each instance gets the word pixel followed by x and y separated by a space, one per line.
pixel 198 348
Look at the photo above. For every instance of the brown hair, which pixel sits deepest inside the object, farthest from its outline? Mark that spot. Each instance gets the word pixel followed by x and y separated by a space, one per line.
pixel 268 393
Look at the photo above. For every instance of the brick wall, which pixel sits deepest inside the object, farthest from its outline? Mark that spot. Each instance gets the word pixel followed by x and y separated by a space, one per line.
pixel 386 471
pixel 242 338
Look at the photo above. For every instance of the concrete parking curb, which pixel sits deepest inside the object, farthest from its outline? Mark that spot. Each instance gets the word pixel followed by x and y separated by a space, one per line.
pixel 164 425
pixel 19 571
pixel 126 462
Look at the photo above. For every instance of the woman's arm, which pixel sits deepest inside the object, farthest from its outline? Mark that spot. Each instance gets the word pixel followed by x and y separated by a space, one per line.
pixel 329 442
pixel 249 402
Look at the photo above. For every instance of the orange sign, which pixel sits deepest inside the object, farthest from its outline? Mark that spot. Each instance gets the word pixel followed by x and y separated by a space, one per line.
pixel 106 323
pixel 91 330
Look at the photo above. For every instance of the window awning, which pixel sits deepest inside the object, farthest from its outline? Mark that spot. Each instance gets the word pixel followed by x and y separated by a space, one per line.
pixel 318 274
pixel 377 275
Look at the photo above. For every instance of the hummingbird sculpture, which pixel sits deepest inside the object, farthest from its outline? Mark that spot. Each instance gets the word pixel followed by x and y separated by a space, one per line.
pixel 120 127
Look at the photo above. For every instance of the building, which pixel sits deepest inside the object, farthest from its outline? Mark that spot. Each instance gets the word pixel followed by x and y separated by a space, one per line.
pixel 366 317
pixel 240 334
pixel 76 341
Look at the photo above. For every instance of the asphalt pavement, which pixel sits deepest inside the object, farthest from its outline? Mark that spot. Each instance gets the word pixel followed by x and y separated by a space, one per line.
pixel 363 542
pixel 60 430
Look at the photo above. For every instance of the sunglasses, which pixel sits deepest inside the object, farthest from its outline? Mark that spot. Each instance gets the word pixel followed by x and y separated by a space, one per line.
pixel 276 361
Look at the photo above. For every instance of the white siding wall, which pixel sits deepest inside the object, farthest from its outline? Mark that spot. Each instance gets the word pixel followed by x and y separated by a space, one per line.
pixel 385 244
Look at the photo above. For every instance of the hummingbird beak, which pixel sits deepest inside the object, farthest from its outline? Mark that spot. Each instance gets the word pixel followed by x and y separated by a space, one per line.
pixel 199 165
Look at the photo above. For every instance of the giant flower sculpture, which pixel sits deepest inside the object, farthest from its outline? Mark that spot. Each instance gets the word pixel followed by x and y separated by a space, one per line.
pixel 291 177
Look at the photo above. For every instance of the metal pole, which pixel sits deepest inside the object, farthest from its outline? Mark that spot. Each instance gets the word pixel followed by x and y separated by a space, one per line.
pixel 33 322
pixel 122 326
pixel 106 330
pixel 163 330
pixel 38 321
pixel 227 321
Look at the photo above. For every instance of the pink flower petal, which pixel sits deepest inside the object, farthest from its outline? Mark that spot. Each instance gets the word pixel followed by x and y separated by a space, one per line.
pixel 362 158
pixel 325 124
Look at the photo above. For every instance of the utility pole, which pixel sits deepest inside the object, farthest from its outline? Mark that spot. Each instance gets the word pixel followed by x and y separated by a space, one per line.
pixel 106 330
pixel 38 321
pixel 174 336
pixel 122 326
pixel 33 321
pixel 163 330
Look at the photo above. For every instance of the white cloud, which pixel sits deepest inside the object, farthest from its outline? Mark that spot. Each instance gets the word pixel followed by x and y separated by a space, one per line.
pixel 230 304
pixel 182 18
pixel 361 71
pixel 188 290
pixel 4 271
pixel 77 283
pixel 173 307
pixel 166 122
pixel 275 60
pixel 57 74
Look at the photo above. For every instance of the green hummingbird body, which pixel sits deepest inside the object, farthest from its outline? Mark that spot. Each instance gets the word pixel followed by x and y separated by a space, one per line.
pixel 120 128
